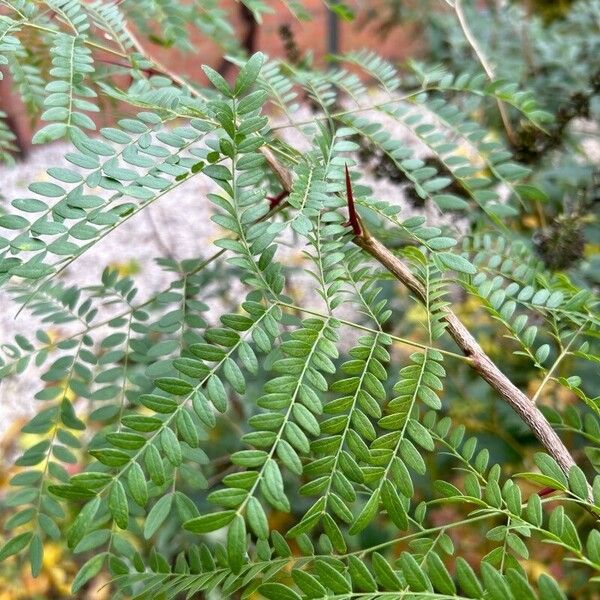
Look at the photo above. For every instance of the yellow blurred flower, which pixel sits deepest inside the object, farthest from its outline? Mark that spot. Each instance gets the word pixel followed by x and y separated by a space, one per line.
pixel 416 314
pixel 592 250
pixel 530 222
pixel 67 391
pixel 54 335
pixel 553 393
pixel 125 269
pixel 57 568
pixel 535 569
pixel 474 158
pixel 54 580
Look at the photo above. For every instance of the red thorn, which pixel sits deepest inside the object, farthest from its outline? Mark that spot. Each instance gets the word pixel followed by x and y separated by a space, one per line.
pixel 352 215
pixel 276 200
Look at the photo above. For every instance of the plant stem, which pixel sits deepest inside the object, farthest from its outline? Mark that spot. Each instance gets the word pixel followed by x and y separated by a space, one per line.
pixel 487 67
pixel 395 338
pixel 553 368
pixel 480 361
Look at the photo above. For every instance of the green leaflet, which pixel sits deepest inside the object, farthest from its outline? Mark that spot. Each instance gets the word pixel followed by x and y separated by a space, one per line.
pixel 157 515
pixel 89 570
pixel 118 506
pixel 210 522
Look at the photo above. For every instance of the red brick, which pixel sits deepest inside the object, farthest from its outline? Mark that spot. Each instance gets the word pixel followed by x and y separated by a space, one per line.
pixel 310 35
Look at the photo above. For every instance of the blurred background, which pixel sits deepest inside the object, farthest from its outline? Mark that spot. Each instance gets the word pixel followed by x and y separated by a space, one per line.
pixel 320 32
pixel 550 47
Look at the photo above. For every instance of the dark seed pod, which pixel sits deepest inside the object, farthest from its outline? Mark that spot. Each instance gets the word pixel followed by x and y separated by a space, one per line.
pixel 292 52
pixel 561 245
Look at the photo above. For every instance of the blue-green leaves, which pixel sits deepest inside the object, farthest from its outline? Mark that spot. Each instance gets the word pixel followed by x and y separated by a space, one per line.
pixel 119 179
pixel 343 451
pixel 245 79
pixel 307 196
pixel 291 405
pixel 66 95
pixel 456 263
pixel 191 443
pixel 376 67
pixel 248 73
pixel 150 450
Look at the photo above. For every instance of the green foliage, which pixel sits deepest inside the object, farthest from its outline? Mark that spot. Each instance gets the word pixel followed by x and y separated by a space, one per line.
pixel 328 447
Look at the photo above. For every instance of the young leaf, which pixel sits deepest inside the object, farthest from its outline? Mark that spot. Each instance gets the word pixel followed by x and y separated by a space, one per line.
pixel 248 73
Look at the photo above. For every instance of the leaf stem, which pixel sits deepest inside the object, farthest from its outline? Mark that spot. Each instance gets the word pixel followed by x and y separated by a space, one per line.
pixel 374 331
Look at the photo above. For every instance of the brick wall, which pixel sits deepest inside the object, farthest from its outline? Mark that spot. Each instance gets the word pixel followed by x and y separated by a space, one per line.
pixel 311 35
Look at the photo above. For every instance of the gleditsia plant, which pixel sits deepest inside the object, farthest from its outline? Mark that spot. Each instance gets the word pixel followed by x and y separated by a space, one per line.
pixel 288 450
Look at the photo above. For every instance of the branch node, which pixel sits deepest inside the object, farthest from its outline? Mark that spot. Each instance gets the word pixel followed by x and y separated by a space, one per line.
pixel 275 201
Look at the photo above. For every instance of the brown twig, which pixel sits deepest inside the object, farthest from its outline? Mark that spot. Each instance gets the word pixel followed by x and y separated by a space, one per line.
pixel 284 176
pixel 478 359
pixel 148 71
